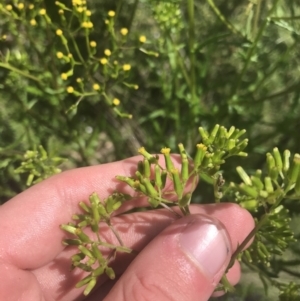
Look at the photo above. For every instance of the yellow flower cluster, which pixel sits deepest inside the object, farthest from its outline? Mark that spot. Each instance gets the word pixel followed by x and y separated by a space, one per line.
pixel 116 101
pixel 124 31
pixel 87 24
pixel 103 61
pixel 107 52
pixel 111 13
pixel 96 87
pixel 126 67
pixel 93 44
pixel 143 39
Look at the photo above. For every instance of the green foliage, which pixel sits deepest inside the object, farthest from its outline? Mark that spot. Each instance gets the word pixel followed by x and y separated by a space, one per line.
pixel 94 81
pixel 267 196
pixel 39 166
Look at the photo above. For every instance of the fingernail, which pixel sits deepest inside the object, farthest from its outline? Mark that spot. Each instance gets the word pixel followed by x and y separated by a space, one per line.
pixel 205 241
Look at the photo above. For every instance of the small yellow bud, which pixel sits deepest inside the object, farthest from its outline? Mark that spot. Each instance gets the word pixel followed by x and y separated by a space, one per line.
pixel 103 61
pixel 61 11
pixel 20 5
pixel 4 37
pixel 116 101
pixel 79 80
pixel 9 7
pixel 126 67
pixel 88 13
pixel 124 31
pixel 59 32
pixel 31 6
pixel 64 76
pixel 70 55
pixel 42 12
pixel 136 87
pixel 107 52
pixel 93 44
pixel 32 22
pixel 59 55
pixel 111 13
pixel 96 87
pixel 70 89
pixel 142 39
pixel 79 9
pixel 106 21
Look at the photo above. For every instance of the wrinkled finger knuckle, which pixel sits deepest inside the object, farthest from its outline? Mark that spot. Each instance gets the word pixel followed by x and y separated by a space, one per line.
pixel 144 288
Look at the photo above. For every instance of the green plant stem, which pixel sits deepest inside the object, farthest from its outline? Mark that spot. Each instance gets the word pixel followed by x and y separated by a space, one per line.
pixel 18 71
pixel 254 46
pixel 191 16
pixel 240 248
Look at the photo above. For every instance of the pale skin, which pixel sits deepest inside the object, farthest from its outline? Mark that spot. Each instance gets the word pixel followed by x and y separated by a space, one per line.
pixel 34 265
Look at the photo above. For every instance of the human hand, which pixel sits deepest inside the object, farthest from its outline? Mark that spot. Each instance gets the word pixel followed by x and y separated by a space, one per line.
pixel 181 259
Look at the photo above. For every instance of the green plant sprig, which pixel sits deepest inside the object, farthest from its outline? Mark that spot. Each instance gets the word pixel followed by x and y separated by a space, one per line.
pixel 173 184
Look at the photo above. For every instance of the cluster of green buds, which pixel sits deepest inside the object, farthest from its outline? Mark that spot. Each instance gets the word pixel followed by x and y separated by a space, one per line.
pixel 281 181
pixel 289 292
pixel 39 165
pixel 150 179
pixel 272 238
pixel 90 257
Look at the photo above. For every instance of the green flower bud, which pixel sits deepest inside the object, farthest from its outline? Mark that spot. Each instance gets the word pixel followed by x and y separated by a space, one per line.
pixel 169 163
pixel 147 169
pixel 184 168
pixel 203 133
pixel 85 251
pixel 213 134
pixel 110 273
pixel 157 176
pixel 286 160
pixel 268 185
pixel 244 176
pixel 177 183
pixel 85 207
pixel 150 189
pixel 278 159
pixel 200 154
pixel 84 281
pixel 90 286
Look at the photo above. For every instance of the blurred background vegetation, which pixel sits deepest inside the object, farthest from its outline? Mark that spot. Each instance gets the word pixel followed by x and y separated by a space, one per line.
pixel 92 81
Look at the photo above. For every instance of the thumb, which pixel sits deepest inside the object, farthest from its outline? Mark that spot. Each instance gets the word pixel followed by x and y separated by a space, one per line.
pixel 184 262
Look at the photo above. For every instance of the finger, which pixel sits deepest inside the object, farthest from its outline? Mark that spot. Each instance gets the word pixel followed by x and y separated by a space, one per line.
pixel 184 262
pixel 136 231
pixel 31 220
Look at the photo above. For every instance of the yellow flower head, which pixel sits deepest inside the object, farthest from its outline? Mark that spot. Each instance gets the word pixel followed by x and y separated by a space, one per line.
pixel 20 5
pixel 32 22
pixel 70 89
pixel 111 13
pixel 93 44
pixel 88 13
pixel 9 7
pixel 64 76
pixel 79 9
pixel 143 39
pixel 59 32
pixel 103 61
pixel 59 55
pixel 61 11
pixel 116 101
pixel 87 24
pixel 107 52
pixel 96 87
pixel 79 80
pixel 42 12
pixel 124 31
pixel 31 6
pixel 126 67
